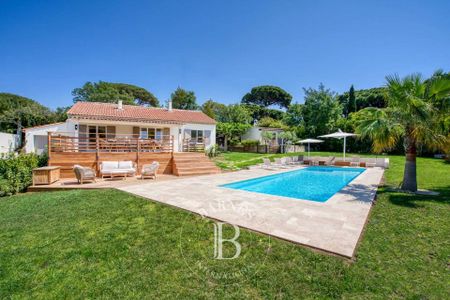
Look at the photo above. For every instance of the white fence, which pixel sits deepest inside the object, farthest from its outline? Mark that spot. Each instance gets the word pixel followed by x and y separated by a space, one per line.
pixel 8 142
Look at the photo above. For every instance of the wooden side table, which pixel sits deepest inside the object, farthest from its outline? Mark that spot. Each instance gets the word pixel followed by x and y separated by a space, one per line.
pixel 46 175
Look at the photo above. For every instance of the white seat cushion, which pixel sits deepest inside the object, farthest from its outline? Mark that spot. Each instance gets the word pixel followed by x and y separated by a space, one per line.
pixel 126 164
pixel 110 165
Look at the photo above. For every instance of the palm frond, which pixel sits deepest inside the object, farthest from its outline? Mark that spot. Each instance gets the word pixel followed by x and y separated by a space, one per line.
pixel 438 88
pixel 377 125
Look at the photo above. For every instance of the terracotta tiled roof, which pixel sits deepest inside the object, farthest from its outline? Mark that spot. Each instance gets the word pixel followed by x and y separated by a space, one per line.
pixel 110 111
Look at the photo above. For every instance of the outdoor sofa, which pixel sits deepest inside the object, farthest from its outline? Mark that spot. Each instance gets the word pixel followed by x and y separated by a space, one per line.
pixel 117 168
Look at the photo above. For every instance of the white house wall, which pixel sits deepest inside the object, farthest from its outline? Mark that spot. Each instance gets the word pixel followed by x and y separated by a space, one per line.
pixel 42 131
pixel 8 142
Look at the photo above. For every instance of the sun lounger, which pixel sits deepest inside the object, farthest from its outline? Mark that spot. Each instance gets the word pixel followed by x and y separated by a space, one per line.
pixel 354 162
pixel 314 161
pixel 330 161
pixel 294 160
pixel 267 164
pixel 280 163
pixel 288 160
pixel 371 163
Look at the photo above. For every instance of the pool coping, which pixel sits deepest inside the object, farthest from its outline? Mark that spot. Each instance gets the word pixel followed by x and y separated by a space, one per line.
pixel 334 226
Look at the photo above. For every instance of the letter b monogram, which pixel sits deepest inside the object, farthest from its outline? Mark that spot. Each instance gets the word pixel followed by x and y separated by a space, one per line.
pixel 219 240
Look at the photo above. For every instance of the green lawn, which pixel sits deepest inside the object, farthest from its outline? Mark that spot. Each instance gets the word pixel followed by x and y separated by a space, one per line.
pixel 109 244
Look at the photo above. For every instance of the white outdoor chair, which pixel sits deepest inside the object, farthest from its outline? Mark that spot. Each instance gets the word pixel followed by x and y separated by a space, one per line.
pixel 150 170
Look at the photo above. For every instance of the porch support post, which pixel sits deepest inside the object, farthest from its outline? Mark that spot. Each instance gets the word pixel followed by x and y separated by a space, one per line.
pixel 138 155
pixel 96 152
pixel 49 144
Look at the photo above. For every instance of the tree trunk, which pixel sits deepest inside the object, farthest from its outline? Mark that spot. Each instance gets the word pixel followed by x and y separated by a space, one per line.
pixel 19 133
pixel 410 175
pixel 225 143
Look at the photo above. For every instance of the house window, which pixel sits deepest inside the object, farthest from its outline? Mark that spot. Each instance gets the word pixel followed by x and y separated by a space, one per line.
pixel 151 133
pixel 102 131
pixel 197 136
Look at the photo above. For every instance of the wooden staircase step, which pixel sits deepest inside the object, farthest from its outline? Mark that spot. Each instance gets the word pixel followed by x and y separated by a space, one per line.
pixel 201 167
pixel 185 164
pixel 194 172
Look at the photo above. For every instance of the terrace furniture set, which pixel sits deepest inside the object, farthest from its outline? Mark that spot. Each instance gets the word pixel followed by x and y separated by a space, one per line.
pixel 113 169
pixel 286 162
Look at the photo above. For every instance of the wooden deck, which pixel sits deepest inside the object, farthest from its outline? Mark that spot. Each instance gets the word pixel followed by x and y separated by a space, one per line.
pixel 66 151
pixel 107 183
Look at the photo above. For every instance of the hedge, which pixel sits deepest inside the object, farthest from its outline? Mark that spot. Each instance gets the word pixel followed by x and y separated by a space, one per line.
pixel 16 172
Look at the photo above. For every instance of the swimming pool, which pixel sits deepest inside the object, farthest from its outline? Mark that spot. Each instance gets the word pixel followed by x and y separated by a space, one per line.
pixel 311 183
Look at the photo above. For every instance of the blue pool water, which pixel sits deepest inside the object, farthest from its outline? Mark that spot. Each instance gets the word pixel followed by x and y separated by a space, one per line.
pixel 312 183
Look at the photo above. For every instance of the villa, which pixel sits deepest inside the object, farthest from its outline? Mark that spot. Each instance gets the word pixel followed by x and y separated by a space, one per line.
pixel 96 132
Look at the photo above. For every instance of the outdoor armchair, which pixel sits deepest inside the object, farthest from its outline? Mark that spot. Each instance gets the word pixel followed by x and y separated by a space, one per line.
pixel 84 174
pixel 150 170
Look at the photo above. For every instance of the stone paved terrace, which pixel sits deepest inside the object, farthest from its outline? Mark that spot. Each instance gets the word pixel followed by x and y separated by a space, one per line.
pixel 333 226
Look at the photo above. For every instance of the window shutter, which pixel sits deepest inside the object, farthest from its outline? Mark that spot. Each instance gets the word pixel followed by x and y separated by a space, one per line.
pixel 111 132
pixel 135 132
pixel 82 132
pixel 166 132
pixel 82 128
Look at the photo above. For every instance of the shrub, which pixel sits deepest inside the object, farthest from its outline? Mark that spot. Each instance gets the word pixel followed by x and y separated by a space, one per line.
pixel 16 172
pixel 250 142
pixel 212 151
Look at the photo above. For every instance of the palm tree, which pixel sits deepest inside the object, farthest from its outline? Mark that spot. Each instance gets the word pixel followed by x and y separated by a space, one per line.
pixel 415 113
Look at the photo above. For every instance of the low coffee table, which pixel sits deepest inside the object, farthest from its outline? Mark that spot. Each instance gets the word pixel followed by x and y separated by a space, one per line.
pixel 116 173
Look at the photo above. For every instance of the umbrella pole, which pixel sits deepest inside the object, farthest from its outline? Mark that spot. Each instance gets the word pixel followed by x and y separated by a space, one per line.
pixel 308 150
pixel 344 146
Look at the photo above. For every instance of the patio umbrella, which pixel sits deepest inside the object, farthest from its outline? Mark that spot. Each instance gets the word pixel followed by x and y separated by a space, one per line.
pixel 310 141
pixel 339 135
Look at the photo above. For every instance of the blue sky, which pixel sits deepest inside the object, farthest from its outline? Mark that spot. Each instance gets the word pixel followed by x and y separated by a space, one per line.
pixel 219 49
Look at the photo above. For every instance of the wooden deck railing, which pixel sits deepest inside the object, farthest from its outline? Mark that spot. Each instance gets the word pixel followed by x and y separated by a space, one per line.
pixel 60 142
pixel 190 145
